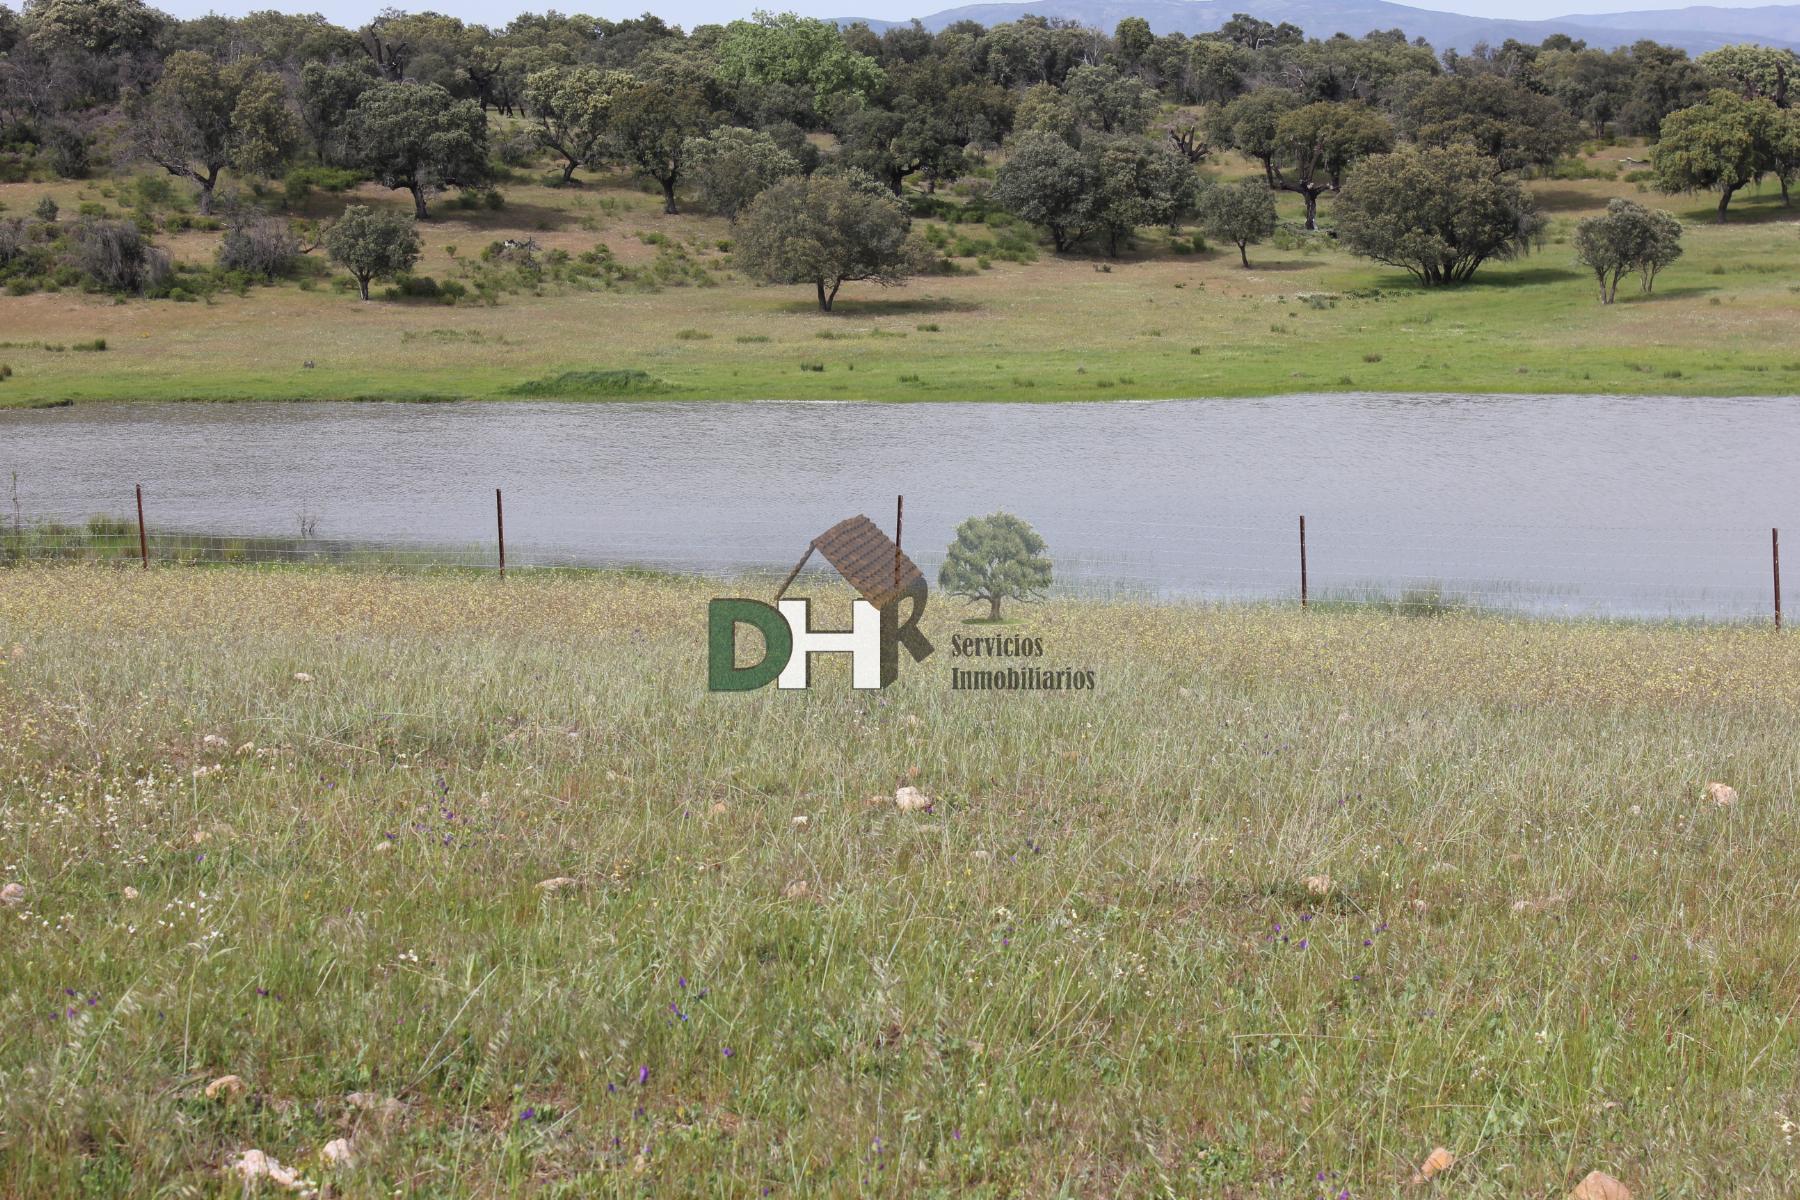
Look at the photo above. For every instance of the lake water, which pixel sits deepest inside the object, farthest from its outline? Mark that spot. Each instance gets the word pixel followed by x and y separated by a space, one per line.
pixel 1579 504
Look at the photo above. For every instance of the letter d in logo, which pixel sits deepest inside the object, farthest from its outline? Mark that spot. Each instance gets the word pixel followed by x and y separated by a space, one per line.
pixel 722 619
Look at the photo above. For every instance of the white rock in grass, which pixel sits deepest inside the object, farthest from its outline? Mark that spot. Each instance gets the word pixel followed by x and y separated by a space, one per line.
pixel 559 883
pixel 801 821
pixel 1600 1186
pixel 12 893
pixel 336 1153
pixel 911 799
pixel 1721 794
pixel 253 1166
pixel 797 889
pixel 1318 885
pixel 213 741
pixel 302 677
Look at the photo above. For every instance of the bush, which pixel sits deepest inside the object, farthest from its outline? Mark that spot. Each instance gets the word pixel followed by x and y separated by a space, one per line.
pixel 260 246
pixel 302 181
pixel 67 151
pixel 94 346
pixel 46 211
pixel 115 256
pixel 520 149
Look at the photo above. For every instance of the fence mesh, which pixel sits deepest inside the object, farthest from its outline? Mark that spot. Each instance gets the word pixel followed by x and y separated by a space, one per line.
pixel 1617 571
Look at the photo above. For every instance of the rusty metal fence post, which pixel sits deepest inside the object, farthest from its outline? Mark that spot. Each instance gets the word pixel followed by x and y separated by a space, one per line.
pixel 1302 560
pixel 143 541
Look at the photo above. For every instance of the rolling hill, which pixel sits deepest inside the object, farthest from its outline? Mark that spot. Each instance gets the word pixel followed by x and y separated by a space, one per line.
pixel 1696 29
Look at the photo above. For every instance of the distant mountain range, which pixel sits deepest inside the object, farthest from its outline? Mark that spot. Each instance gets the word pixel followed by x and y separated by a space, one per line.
pixel 1696 29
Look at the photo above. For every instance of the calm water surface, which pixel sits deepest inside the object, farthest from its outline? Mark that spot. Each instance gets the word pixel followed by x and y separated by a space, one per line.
pixel 1581 504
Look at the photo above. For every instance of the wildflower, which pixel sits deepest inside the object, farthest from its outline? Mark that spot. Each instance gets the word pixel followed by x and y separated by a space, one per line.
pixel 643 1076
pixel 728 1052
pixel 528 1114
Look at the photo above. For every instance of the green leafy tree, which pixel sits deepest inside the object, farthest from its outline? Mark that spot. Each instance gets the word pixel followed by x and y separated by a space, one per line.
pixel 1439 212
pixel 997 557
pixel 1753 71
pixel 200 118
pixel 1722 144
pixel 1251 125
pixel 891 144
pixel 1499 119
pixel 572 108
pixel 733 166
pixel 799 52
pixel 1140 182
pixel 1046 181
pixel 1316 144
pixel 652 123
pixel 327 93
pixel 1628 239
pixel 373 245
pixel 102 27
pixel 1133 41
pixel 1102 98
pixel 1241 213
pixel 828 230
pixel 417 137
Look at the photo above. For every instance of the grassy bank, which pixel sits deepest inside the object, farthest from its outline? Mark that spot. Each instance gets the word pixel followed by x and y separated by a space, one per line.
pixel 1154 323
pixel 291 826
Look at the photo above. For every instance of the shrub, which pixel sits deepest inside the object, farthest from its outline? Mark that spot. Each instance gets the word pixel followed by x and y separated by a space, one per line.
pixel 115 256
pixel 46 211
pixel 67 151
pixel 259 246
pixel 94 346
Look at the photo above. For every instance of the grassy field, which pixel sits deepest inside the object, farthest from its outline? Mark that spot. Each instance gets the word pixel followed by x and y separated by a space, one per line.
pixel 1154 323
pixel 291 826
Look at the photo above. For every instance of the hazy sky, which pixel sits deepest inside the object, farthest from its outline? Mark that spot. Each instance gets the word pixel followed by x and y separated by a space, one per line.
pixel 689 13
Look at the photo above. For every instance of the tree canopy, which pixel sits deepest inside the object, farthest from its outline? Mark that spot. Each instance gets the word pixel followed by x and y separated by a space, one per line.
pixel 1438 212
pixel 828 230
pixel 417 137
pixel 994 558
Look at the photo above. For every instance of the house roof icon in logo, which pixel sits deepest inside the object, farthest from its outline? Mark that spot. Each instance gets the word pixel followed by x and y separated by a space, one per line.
pixel 869 560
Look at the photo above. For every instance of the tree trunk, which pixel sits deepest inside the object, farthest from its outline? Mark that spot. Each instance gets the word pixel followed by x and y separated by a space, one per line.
pixel 418 195
pixel 569 170
pixel 668 187
pixel 1724 199
pixel 994 607
pixel 1244 253
pixel 362 281
pixel 206 192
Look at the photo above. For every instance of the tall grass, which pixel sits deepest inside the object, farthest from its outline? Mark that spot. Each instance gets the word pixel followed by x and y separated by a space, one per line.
pixel 1095 968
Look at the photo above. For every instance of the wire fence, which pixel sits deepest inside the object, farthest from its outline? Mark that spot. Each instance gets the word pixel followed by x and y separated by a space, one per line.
pixel 1604 571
